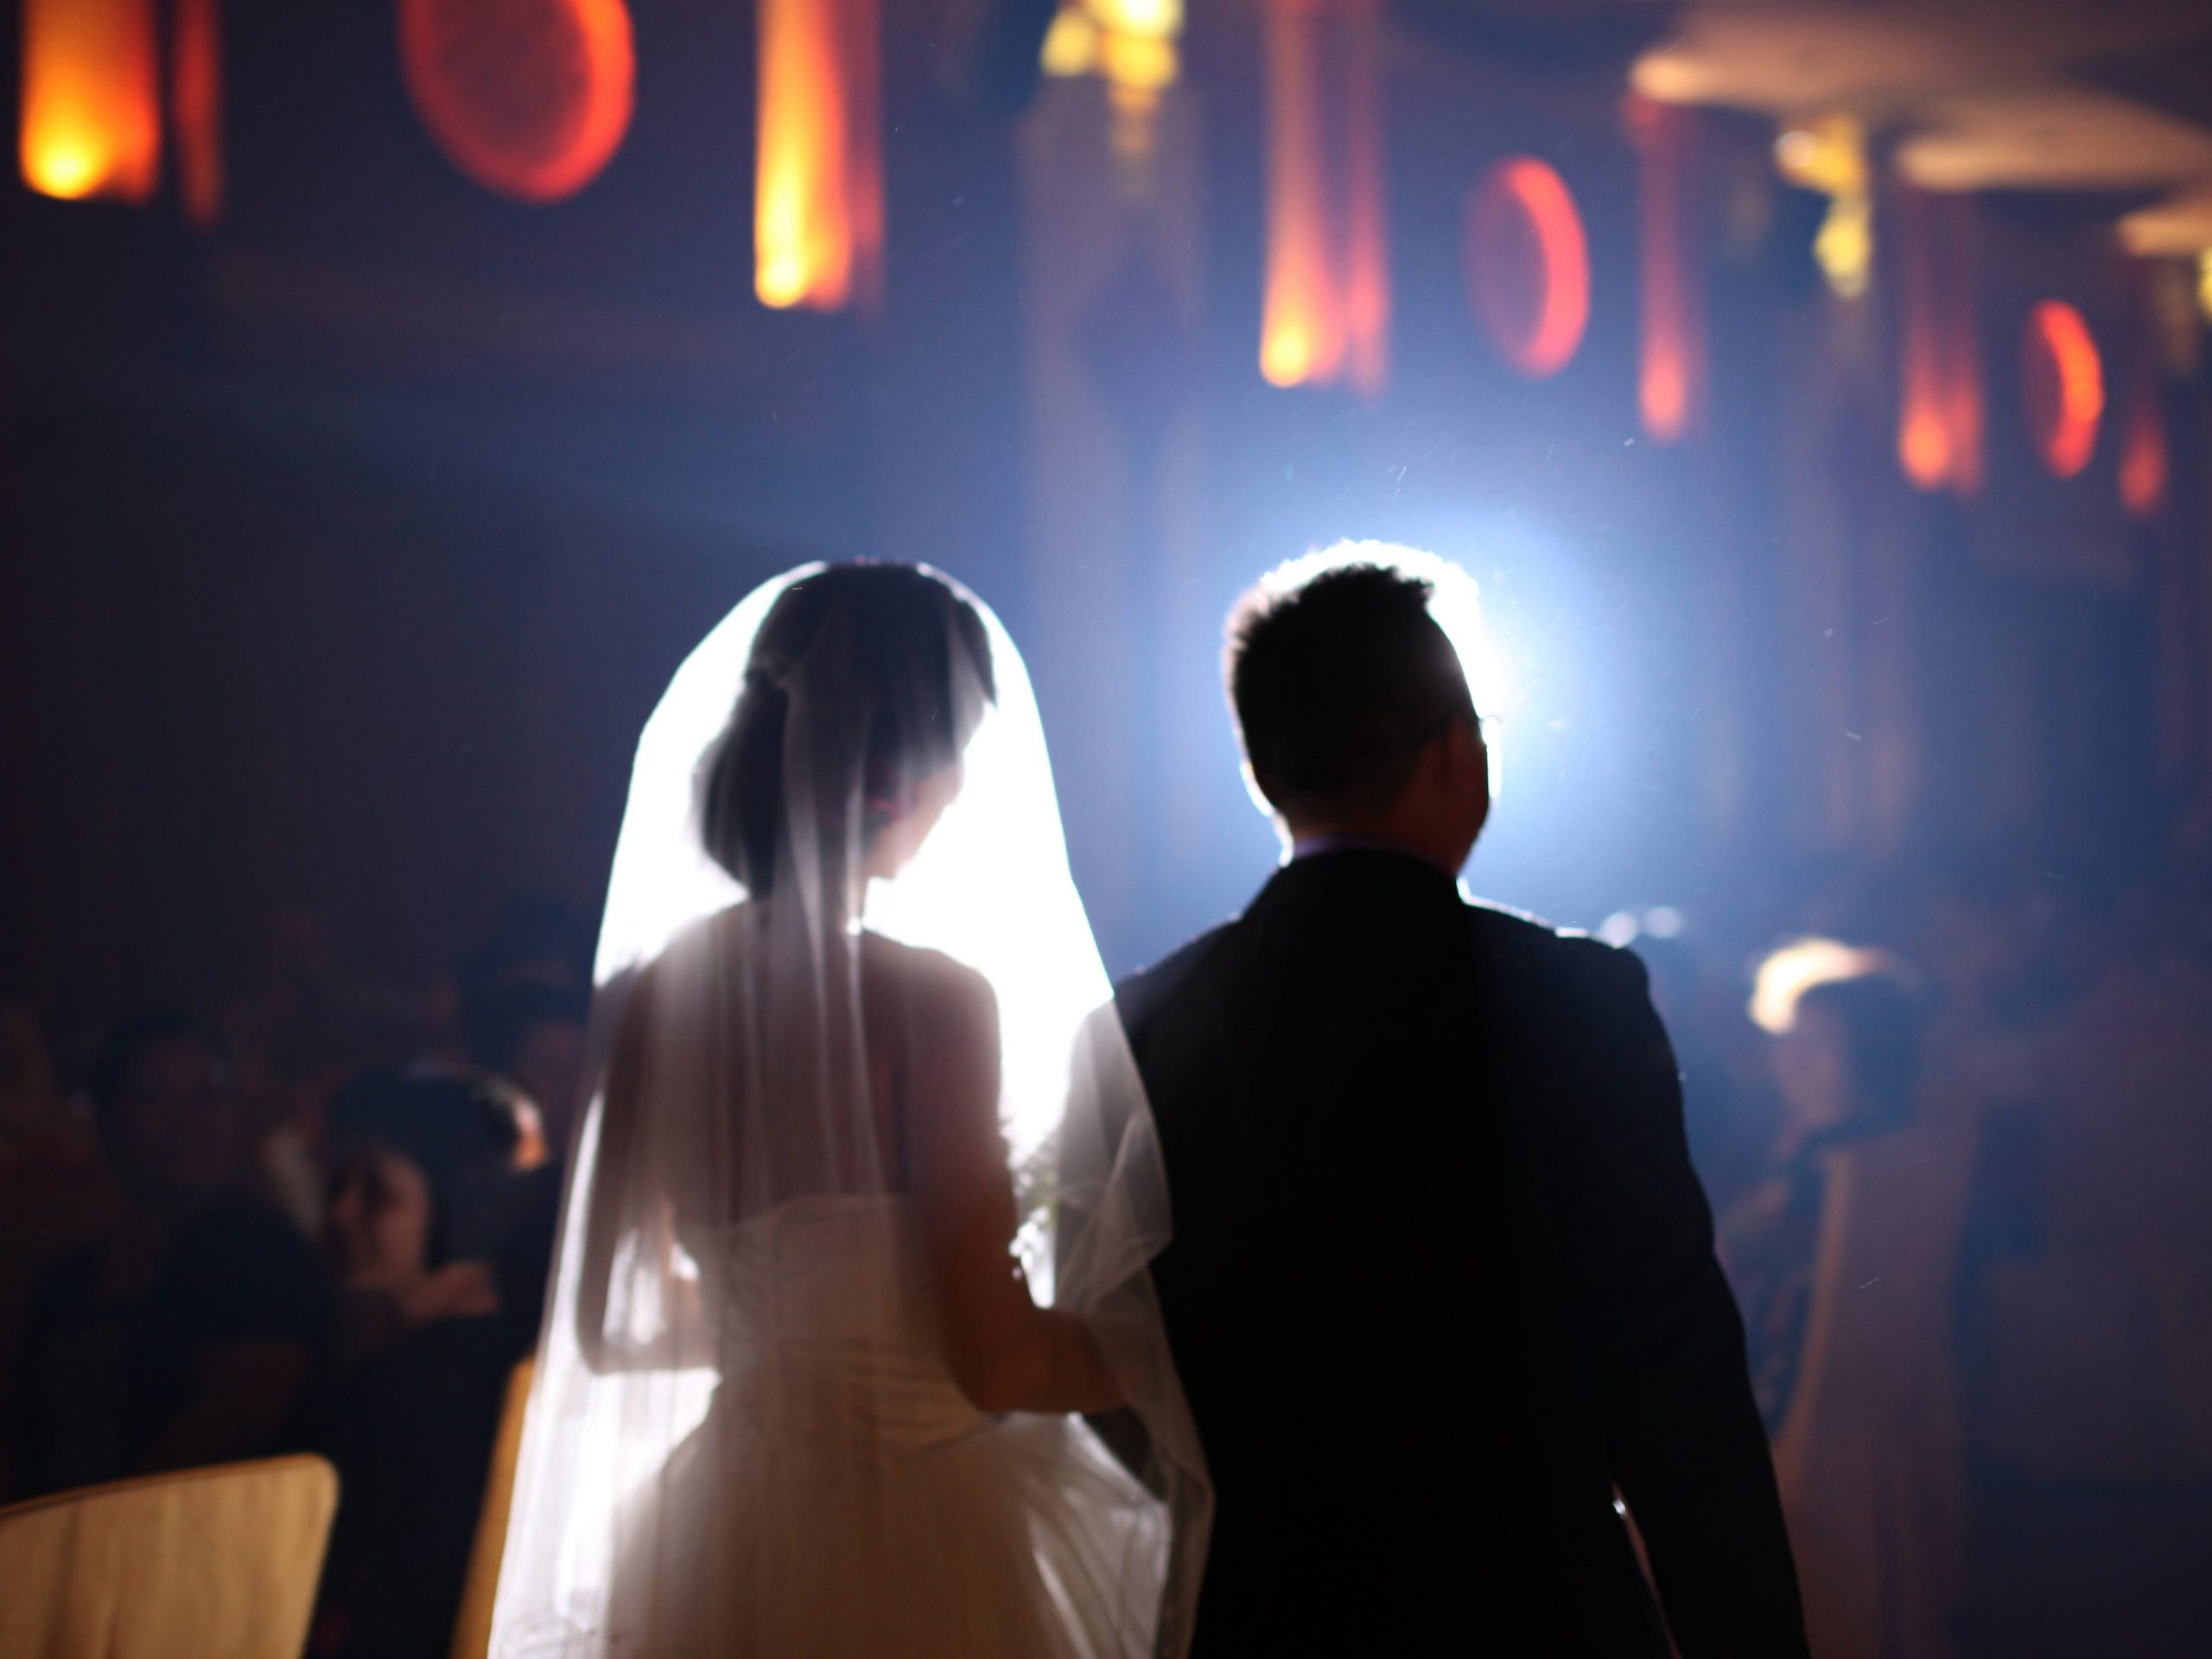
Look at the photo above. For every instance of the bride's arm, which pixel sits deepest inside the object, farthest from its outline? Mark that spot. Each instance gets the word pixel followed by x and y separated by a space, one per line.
pixel 1006 1353
pixel 605 1217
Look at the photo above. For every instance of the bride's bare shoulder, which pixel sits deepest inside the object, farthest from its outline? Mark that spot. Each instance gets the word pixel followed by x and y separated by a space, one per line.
pixel 692 963
pixel 716 933
pixel 941 1020
pixel 935 981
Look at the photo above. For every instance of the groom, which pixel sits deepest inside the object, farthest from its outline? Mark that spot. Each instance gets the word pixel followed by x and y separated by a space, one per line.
pixel 1442 1279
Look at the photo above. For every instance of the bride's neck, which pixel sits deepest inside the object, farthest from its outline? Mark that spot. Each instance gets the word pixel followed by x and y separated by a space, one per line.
pixel 785 900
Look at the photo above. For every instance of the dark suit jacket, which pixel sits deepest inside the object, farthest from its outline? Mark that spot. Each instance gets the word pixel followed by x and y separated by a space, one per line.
pixel 1442 1278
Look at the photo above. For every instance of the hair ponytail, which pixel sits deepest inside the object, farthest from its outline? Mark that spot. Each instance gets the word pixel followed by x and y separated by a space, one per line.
pixel 904 625
pixel 741 789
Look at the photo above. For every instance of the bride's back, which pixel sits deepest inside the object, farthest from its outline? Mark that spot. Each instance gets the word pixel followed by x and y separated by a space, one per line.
pixel 795 1034
pixel 820 1106
pixel 796 1395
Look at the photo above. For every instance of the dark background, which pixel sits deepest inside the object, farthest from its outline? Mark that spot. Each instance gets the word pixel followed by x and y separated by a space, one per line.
pixel 348 544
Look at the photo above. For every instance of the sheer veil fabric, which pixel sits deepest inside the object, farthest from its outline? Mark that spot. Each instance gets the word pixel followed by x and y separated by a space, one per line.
pixel 743 1438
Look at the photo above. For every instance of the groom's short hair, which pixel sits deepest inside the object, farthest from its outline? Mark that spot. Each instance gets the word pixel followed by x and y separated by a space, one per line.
pixel 1337 682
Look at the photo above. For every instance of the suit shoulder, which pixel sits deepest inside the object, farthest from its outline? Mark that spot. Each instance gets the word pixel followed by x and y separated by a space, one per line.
pixel 1505 928
pixel 1141 992
pixel 1558 959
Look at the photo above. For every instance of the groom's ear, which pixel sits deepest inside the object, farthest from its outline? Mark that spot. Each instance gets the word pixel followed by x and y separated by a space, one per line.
pixel 1259 795
pixel 1467 759
pixel 1464 750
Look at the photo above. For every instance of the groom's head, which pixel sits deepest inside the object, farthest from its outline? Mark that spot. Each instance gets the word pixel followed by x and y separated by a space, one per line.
pixel 1354 710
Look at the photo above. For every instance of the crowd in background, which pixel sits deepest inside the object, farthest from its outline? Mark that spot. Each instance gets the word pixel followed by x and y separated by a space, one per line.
pixel 320 1216
pixel 1957 1137
pixel 1954 1125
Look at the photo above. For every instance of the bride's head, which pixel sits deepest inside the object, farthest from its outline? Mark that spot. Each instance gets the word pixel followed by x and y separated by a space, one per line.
pixel 865 685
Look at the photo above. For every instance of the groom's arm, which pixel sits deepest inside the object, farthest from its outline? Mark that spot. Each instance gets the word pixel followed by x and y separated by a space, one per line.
pixel 1658 1330
pixel 1084 1149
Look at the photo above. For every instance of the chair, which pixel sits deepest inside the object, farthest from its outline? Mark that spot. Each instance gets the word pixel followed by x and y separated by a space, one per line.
pixel 221 1560
pixel 472 1628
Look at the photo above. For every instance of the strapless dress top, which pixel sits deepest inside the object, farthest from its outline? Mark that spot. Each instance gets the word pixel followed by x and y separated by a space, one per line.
pixel 827 1327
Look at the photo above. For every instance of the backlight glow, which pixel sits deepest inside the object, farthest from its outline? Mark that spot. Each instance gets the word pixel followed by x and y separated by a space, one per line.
pixel 1455 602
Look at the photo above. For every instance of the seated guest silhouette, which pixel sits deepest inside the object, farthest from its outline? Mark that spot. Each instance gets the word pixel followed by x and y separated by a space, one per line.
pixel 185 1334
pixel 54 1193
pixel 427 1208
pixel 1844 1260
pixel 533 1034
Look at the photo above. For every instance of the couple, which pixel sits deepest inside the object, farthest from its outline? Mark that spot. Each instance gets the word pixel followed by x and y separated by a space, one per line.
pixel 870 1333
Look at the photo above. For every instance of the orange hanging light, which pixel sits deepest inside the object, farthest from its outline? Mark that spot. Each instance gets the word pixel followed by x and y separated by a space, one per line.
pixel 1940 417
pixel 1671 372
pixel 1960 353
pixel 529 98
pixel 1527 265
pixel 2063 385
pixel 1301 326
pixel 90 118
pixel 2145 462
pixel 196 106
pixel 1325 315
pixel 1133 46
pixel 1367 266
pixel 1924 433
pixel 818 217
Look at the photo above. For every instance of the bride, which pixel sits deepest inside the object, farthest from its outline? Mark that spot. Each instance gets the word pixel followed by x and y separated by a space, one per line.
pixel 797 1394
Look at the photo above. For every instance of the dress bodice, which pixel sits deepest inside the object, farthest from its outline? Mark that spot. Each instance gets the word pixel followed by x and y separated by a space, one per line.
pixel 827 1327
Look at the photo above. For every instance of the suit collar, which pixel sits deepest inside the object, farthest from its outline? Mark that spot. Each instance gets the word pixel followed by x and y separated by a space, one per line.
pixel 1382 875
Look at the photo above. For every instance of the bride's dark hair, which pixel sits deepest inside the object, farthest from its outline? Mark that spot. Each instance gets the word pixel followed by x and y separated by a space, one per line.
pixel 901 626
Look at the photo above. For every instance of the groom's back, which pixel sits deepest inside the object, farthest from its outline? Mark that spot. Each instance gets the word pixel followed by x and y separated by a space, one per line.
pixel 1360 1296
pixel 1442 1273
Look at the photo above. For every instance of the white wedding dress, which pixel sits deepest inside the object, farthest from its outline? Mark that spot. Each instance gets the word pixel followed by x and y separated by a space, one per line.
pixel 743 1436
pixel 913 1525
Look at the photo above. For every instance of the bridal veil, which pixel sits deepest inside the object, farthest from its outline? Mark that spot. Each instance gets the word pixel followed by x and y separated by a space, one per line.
pixel 734 1428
